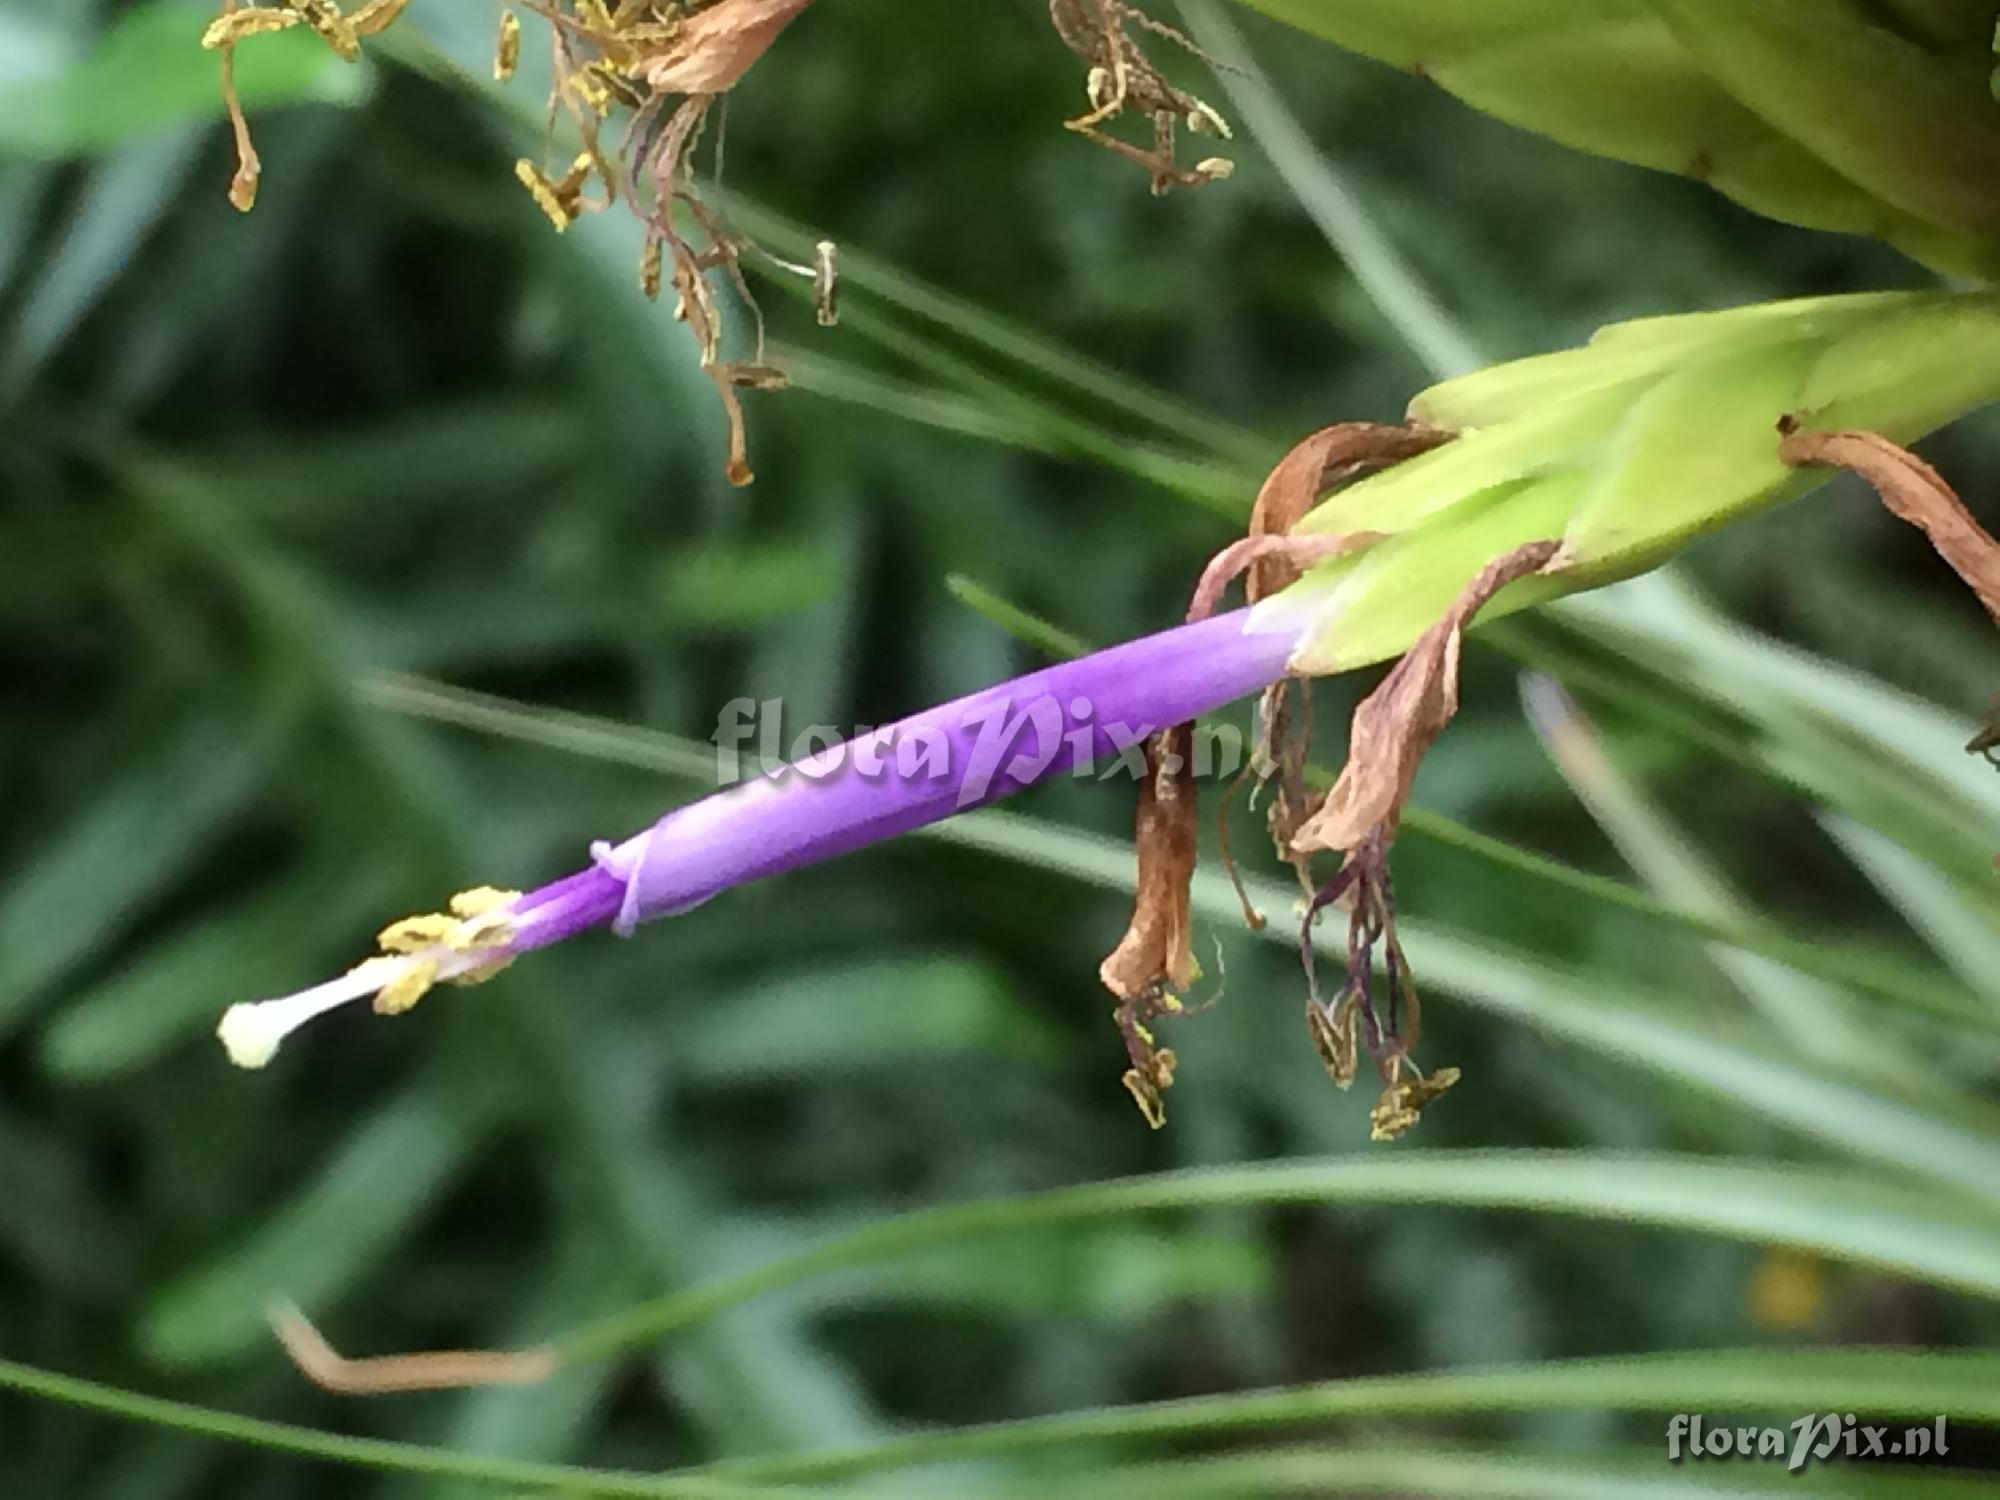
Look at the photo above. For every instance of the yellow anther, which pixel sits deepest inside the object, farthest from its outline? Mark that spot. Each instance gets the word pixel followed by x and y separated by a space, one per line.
pixel 650 266
pixel 377 15
pixel 507 51
pixel 406 989
pixel 227 30
pixel 474 933
pixel 480 900
pixel 414 934
pixel 1146 1097
pixel 483 972
pixel 545 194
pixel 334 28
pixel 590 88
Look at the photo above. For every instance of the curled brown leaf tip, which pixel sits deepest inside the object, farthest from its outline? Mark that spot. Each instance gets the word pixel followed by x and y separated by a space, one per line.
pixel 1397 723
pixel 398 1374
pixel 1154 964
pixel 1913 491
pixel 1123 78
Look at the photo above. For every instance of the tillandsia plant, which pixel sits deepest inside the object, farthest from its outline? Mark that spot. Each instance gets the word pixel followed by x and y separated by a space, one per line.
pixel 1508 488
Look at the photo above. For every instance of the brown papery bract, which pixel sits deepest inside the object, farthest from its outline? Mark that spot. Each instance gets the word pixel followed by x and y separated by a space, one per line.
pixel 712 49
pixel 1397 722
pixel 1913 491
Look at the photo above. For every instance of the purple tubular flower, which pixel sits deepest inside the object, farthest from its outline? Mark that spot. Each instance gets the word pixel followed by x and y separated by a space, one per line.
pixel 945 760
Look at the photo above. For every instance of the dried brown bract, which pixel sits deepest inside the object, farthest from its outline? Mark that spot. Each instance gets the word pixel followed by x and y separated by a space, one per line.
pixel 636 81
pixel 1397 722
pixel 1273 560
pixel 1123 78
pixel 1154 964
pixel 1913 491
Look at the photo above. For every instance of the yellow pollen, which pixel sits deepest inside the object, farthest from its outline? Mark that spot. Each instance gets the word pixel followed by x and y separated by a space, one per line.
pixel 480 900
pixel 228 30
pixel 414 934
pixel 405 991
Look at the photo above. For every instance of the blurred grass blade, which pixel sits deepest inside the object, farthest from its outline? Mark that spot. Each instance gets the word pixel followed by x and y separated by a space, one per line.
pixel 1810 1016
pixel 371 1453
pixel 1964 933
pixel 1406 304
pixel 1895 1385
pixel 126 195
pixel 1013 342
pixel 369 1194
pixel 94 874
pixel 1851 1215
pixel 1441 1468
pixel 1044 636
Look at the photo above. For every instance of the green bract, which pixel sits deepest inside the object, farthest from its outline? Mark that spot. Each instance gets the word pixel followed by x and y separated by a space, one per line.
pixel 1653 434
pixel 1875 120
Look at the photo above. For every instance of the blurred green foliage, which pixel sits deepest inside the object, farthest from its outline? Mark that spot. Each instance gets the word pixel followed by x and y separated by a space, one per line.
pixel 265 481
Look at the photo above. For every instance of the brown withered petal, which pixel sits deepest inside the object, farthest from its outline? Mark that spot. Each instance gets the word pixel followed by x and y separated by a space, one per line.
pixel 1913 491
pixel 1324 461
pixel 714 48
pixel 1158 947
pixel 1397 722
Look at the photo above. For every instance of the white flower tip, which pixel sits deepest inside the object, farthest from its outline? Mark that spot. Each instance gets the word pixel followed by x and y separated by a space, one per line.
pixel 249 1035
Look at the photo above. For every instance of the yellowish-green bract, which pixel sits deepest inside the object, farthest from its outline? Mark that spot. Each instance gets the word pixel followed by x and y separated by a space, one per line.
pixel 1655 433
pixel 1874 120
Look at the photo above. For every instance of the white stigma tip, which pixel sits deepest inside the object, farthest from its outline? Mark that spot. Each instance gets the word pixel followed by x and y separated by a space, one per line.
pixel 248 1035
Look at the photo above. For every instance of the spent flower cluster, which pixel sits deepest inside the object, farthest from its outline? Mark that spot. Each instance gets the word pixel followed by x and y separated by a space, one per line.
pixel 636 82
